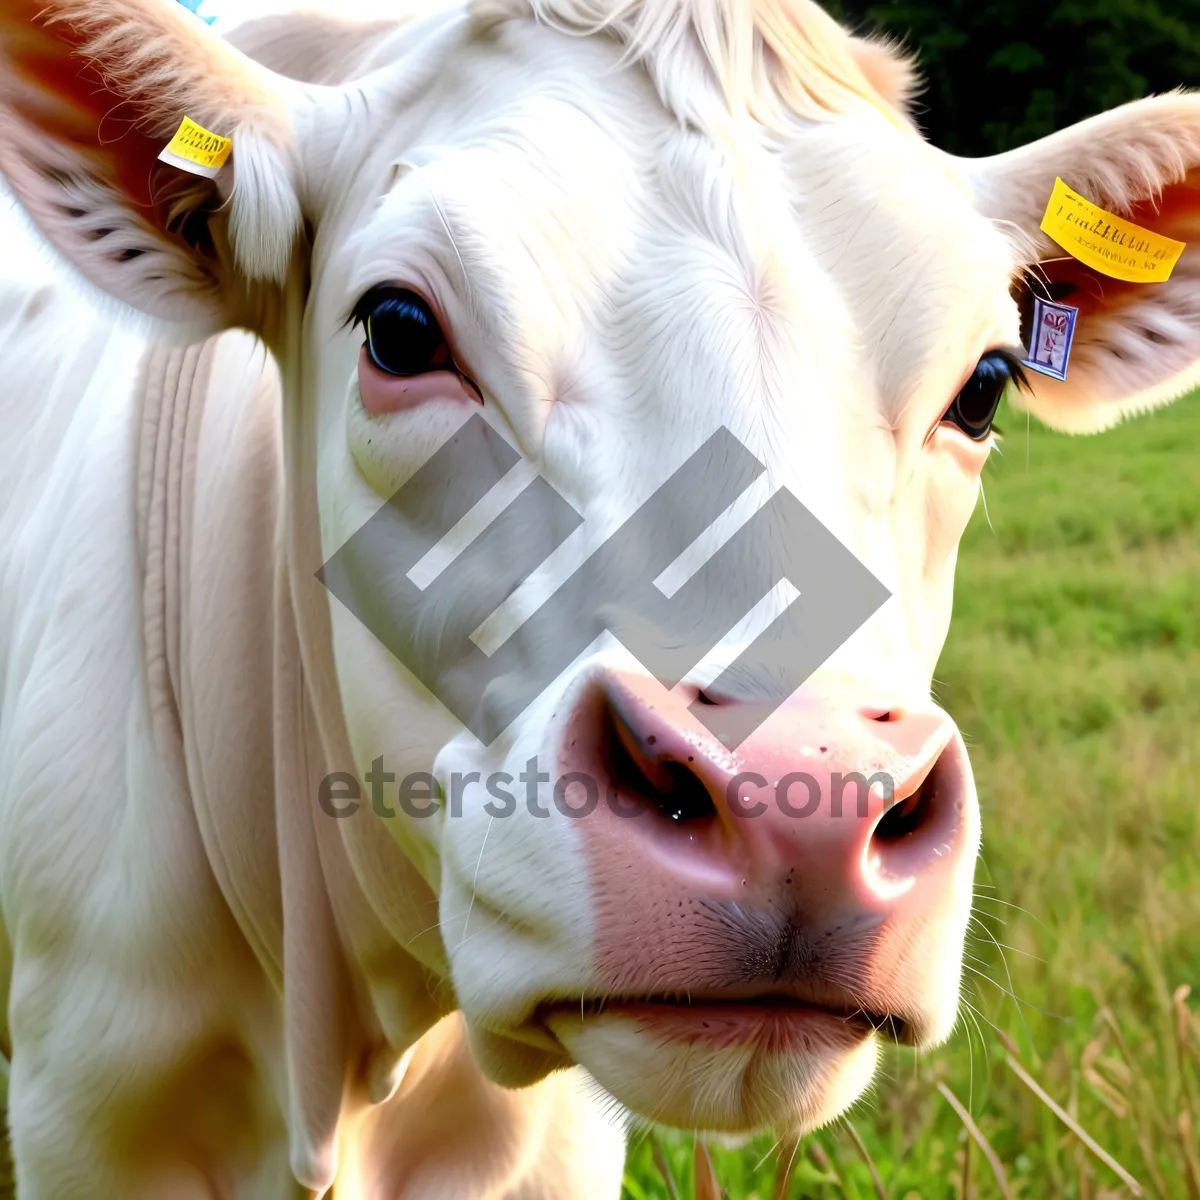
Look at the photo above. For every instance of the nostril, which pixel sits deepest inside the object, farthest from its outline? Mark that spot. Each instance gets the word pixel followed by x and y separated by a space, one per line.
pixel 920 827
pixel 670 788
pixel 906 816
pixel 686 799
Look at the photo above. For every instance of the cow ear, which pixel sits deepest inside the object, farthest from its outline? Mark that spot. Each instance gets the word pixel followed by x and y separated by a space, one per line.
pixel 90 92
pixel 1137 345
pixel 889 69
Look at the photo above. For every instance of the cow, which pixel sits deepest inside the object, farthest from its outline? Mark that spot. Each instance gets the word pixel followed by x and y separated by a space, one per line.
pixel 245 955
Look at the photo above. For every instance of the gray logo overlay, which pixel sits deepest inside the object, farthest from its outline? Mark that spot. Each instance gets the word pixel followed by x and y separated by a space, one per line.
pixel 429 629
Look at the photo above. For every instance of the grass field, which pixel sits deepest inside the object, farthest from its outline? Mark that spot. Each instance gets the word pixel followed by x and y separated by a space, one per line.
pixel 1073 668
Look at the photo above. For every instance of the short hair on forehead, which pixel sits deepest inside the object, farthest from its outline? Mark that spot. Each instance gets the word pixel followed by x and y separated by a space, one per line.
pixel 769 59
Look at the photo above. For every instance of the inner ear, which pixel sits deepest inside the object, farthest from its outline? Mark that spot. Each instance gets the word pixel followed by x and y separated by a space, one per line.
pixel 91 92
pixel 66 97
pixel 1173 212
pixel 151 203
pixel 1065 280
pixel 176 206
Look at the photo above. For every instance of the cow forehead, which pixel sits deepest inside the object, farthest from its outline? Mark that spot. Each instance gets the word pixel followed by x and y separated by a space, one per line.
pixel 572 205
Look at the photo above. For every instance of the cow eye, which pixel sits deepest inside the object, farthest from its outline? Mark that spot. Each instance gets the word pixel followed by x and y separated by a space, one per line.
pixel 403 336
pixel 974 408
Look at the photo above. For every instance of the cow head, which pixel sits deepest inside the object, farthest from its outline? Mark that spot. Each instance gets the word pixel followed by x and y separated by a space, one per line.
pixel 591 236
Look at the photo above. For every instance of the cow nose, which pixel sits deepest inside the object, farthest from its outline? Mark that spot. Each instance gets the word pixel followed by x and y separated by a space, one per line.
pixel 857 811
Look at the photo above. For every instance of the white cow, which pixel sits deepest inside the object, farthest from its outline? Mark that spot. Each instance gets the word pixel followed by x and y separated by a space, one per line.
pixel 607 228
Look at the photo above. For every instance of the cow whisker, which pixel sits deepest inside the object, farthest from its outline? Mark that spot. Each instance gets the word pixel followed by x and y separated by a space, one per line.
pixel 475 879
pixel 783 1178
pixel 983 497
pixel 428 929
pixel 774 1146
pixel 1018 950
pixel 1008 976
pixel 974 1016
pixel 1010 904
pixel 1020 1003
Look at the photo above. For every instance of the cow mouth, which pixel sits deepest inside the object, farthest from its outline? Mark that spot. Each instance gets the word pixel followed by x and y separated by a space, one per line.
pixel 779 1023
pixel 729 1063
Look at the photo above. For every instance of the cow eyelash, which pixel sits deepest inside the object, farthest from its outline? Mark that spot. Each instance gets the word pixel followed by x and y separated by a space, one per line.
pixel 1018 377
pixel 1016 369
pixel 973 410
pixel 370 300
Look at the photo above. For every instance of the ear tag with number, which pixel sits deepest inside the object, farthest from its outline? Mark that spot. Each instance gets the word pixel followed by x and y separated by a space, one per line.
pixel 1108 243
pixel 196 150
pixel 1052 331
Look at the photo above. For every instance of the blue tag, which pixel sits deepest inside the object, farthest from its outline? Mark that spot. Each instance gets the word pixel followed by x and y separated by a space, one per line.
pixel 1051 334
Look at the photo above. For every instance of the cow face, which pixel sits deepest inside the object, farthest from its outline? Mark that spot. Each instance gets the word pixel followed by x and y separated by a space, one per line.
pixel 546 266
pixel 607 289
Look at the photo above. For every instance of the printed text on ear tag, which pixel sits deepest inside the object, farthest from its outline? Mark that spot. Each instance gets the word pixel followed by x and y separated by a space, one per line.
pixel 194 149
pixel 1051 333
pixel 1108 243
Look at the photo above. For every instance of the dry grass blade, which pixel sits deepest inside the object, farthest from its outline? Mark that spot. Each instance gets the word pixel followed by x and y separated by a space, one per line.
pixel 664 1168
pixel 981 1141
pixel 1146 1149
pixel 859 1145
pixel 1183 1037
pixel 707 1186
pixel 1184 1034
pixel 1111 1096
pixel 1074 1126
pixel 1008 1043
pixel 1117 1069
pixel 1179 1002
pixel 1150 1106
pixel 1106 1093
pixel 820 1160
pixel 1187 1136
pixel 787 1165
pixel 1083 1165
pixel 1142 1107
pixel 1106 1015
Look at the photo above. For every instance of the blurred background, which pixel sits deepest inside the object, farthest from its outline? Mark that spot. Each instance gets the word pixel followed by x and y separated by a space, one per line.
pixel 1003 73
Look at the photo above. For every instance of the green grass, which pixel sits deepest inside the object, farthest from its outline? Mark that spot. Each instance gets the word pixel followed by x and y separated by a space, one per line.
pixel 1073 668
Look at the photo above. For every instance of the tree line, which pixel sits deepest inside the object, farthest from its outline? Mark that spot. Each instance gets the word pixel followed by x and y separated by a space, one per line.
pixel 1005 72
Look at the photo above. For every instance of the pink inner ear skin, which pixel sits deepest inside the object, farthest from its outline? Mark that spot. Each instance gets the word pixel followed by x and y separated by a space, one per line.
pixel 384 393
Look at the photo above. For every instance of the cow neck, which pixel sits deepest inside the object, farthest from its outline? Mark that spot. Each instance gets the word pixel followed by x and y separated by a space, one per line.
pixel 365 868
pixel 232 666
pixel 170 393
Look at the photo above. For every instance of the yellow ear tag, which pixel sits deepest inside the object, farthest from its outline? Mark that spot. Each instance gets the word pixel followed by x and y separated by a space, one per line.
pixel 194 149
pixel 1108 243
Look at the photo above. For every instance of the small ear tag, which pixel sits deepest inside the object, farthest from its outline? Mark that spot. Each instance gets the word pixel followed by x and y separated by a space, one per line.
pixel 1052 332
pixel 1108 243
pixel 196 150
